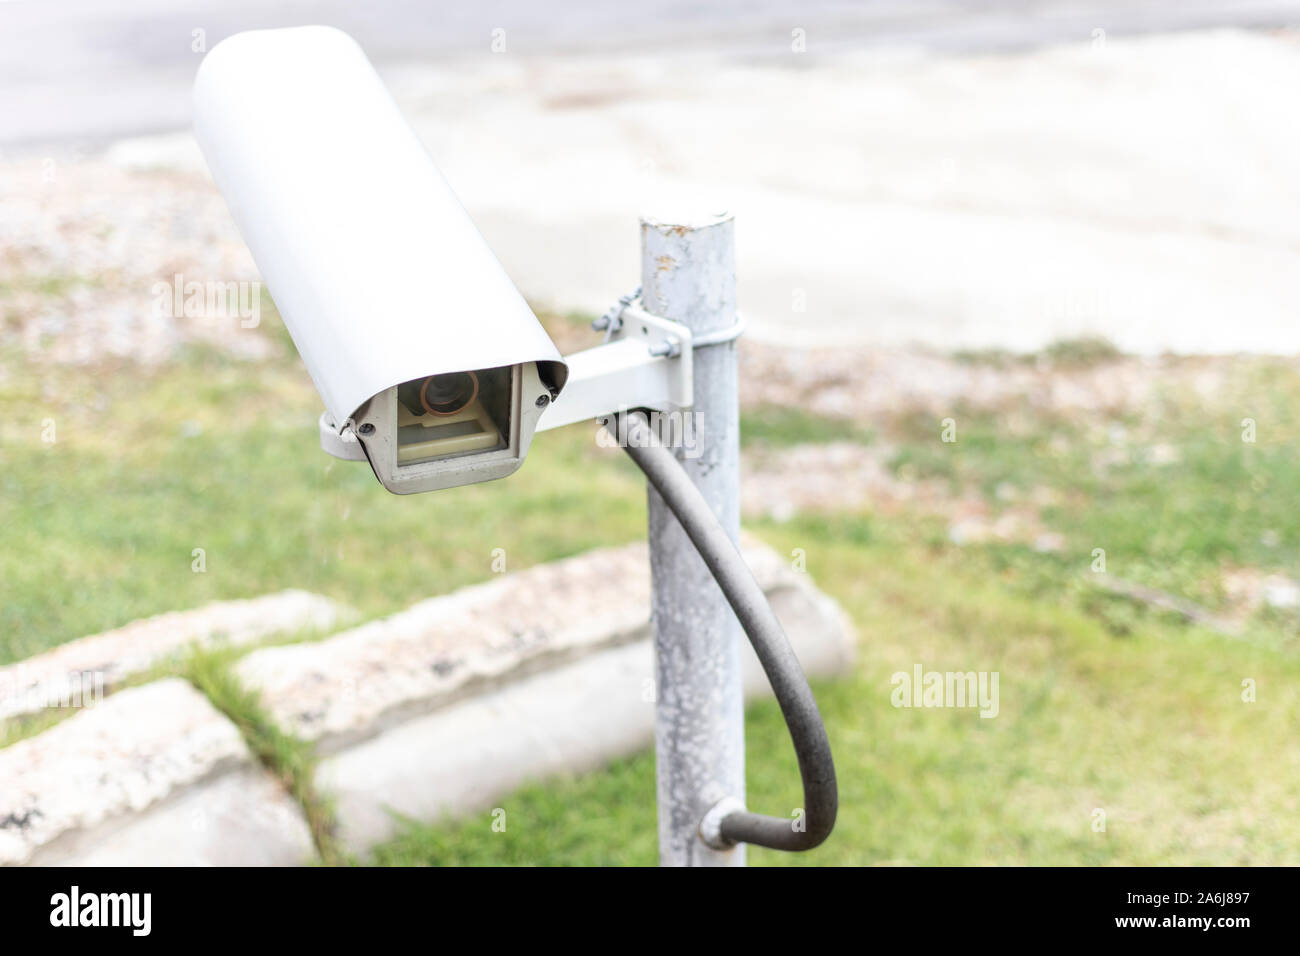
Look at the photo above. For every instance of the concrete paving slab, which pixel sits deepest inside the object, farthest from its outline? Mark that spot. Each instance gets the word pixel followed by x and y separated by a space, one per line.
pixel 146 777
pixel 460 759
pixel 77 672
pixel 361 682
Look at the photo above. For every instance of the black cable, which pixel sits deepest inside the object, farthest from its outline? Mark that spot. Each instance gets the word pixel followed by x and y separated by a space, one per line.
pixel 795 697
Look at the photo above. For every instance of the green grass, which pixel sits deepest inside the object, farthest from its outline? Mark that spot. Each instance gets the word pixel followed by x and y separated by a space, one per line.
pixel 101 526
pixel 778 426
pixel 1150 729
pixel 1063 353
pixel 290 760
pixel 22 726
pixel 1212 503
pixel 1080 352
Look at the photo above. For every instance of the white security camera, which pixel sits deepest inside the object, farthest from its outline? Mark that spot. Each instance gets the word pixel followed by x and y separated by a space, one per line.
pixel 430 363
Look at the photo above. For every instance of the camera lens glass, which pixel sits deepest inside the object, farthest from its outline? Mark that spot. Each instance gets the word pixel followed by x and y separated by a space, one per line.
pixel 448 394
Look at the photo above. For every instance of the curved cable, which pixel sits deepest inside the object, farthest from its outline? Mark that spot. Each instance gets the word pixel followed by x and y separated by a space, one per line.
pixel 795 697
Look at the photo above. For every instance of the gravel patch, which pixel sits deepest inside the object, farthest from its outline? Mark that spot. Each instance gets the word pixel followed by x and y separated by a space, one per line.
pixel 84 247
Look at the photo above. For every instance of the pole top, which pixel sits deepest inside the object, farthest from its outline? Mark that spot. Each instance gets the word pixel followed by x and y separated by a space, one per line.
pixel 684 220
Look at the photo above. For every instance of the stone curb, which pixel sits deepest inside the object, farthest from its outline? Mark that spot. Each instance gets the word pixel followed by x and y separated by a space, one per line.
pixel 577 717
pixel 83 669
pixel 351 686
pixel 153 775
pixel 439 709
pixel 417 718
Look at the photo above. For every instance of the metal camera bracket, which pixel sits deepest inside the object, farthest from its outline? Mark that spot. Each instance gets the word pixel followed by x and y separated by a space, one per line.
pixel 645 362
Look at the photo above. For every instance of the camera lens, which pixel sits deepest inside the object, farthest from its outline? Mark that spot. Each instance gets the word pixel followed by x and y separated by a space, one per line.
pixel 448 394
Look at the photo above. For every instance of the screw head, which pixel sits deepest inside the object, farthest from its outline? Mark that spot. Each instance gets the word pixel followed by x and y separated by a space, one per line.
pixel 367 429
pixel 543 400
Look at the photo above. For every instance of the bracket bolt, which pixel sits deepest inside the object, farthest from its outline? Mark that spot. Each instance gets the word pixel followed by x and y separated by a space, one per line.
pixel 670 347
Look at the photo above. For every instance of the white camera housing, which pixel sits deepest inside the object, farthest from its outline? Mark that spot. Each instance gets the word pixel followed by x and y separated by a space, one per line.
pixel 391 295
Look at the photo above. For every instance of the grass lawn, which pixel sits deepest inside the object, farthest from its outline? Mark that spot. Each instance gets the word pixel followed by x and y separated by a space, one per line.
pixel 1150 728
pixel 1105 703
pixel 100 527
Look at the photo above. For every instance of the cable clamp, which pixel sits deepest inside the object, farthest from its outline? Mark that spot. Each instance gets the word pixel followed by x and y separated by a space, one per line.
pixel 631 305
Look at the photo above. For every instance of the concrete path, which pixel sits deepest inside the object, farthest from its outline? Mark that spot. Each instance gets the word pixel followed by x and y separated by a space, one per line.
pixel 1140 190
pixel 1123 184
pixel 1143 190
pixel 89 71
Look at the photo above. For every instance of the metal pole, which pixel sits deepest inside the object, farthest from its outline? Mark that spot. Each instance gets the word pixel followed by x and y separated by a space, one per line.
pixel 688 274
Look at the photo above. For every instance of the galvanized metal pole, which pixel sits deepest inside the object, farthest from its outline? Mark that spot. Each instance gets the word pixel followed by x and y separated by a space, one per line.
pixel 688 274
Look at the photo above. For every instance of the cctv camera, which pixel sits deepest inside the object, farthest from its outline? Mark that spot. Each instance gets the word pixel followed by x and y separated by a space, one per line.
pixel 430 364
